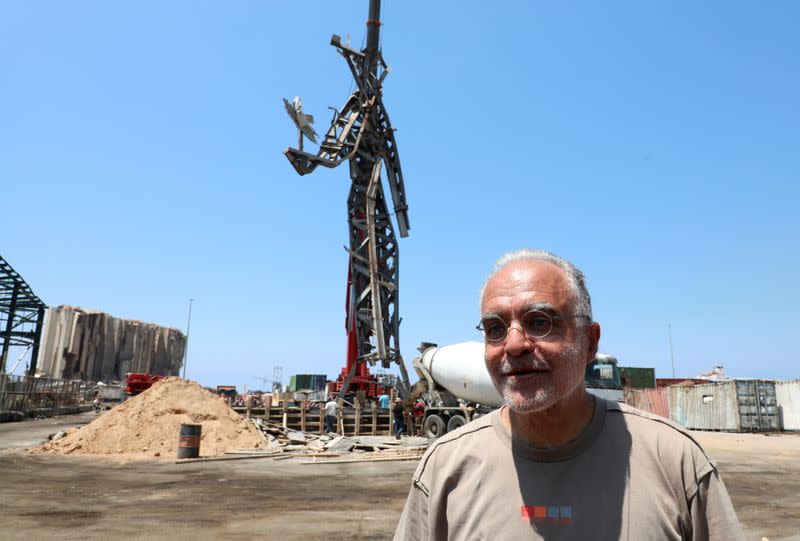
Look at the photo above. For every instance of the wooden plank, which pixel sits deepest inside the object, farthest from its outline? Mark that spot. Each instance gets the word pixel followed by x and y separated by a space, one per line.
pixel 355 460
pixel 221 458
pixel 374 419
pixel 357 428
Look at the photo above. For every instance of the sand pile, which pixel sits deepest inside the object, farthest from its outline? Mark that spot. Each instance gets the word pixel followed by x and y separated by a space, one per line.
pixel 148 425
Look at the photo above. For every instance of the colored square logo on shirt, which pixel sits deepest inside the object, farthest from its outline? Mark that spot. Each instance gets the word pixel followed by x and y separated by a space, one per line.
pixel 534 513
pixel 550 514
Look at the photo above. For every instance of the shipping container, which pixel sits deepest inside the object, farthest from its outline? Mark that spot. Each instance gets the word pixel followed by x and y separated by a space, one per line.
pixel 735 405
pixel 308 382
pixel 638 378
pixel 710 406
pixel 758 406
pixel 303 381
pixel 319 382
pixel 788 397
pixel 650 400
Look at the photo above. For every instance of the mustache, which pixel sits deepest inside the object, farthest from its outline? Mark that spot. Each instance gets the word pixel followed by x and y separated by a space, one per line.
pixel 529 363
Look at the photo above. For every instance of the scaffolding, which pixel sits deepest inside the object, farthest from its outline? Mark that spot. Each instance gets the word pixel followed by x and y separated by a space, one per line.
pixel 21 316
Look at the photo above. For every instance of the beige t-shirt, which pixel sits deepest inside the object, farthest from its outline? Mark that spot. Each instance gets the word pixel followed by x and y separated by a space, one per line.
pixel 630 475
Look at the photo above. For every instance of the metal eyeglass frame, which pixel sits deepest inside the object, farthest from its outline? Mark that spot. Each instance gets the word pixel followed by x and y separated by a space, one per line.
pixel 550 317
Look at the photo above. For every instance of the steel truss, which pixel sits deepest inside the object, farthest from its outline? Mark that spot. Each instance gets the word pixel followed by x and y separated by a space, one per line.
pixel 21 315
pixel 361 134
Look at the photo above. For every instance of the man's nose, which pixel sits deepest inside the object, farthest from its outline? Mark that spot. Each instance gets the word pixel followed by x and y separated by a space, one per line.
pixel 517 342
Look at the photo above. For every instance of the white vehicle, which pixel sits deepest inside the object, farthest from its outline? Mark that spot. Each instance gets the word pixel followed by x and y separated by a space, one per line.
pixel 458 386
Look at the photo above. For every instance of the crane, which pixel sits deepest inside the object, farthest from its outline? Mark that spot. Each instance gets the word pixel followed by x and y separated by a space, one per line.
pixel 361 134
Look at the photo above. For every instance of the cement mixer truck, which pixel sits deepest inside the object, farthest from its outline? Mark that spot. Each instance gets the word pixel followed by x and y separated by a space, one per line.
pixel 457 387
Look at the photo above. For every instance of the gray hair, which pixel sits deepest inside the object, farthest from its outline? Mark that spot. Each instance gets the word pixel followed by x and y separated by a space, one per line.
pixel 577 282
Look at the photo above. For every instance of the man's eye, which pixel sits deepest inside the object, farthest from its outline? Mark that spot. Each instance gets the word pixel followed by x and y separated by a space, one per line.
pixel 540 322
pixel 537 323
pixel 494 328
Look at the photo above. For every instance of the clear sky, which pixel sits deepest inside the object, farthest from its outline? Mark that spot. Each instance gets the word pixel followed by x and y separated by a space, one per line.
pixel 655 144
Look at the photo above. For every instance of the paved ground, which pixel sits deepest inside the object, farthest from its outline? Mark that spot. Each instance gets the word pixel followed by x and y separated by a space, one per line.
pixel 85 498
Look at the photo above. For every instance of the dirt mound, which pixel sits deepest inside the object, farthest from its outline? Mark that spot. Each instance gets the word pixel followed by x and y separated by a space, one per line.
pixel 148 425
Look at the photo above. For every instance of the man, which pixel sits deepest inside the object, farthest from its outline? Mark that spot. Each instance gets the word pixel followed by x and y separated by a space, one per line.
pixel 330 416
pixel 418 416
pixel 97 402
pixel 398 412
pixel 555 462
pixel 383 401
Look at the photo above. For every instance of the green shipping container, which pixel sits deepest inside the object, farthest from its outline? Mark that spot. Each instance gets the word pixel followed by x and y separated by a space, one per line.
pixel 638 378
pixel 308 382
pixel 303 382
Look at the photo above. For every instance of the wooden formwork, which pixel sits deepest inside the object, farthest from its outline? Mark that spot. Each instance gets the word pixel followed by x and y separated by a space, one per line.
pixel 351 421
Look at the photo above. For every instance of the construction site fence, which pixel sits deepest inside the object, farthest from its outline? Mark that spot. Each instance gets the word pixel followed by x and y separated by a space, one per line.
pixel 23 393
pixel 735 405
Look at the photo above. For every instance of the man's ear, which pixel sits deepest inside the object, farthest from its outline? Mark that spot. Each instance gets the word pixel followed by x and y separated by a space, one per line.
pixel 594 340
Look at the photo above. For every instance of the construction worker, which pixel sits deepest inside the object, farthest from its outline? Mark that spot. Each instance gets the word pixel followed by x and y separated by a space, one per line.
pixel 383 401
pixel 97 403
pixel 330 416
pixel 398 411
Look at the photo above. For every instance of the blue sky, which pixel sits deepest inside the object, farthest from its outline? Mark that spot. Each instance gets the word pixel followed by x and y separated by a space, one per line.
pixel 653 144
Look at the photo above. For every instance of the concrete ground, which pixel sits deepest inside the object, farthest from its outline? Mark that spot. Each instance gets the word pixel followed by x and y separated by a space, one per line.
pixel 79 497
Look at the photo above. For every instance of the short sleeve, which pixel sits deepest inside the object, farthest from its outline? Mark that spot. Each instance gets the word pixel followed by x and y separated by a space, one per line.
pixel 413 524
pixel 713 516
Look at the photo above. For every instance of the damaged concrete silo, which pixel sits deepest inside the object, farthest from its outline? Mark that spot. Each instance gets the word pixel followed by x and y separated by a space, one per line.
pixel 90 345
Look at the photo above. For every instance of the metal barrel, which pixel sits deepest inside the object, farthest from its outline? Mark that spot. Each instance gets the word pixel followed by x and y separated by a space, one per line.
pixel 189 441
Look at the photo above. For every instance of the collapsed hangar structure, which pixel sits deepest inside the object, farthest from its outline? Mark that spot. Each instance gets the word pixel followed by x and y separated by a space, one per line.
pixel 21 316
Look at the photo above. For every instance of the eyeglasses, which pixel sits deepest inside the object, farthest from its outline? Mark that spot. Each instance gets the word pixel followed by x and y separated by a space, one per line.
pixel 534 323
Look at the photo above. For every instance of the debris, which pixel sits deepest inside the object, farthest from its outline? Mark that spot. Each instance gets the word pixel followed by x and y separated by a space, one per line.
pixel 340 444
pixel 294 447
pixel 316 445
pixel 298 444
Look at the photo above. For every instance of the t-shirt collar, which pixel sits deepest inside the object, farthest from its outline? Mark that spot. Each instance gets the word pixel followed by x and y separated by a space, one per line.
pixel 523 448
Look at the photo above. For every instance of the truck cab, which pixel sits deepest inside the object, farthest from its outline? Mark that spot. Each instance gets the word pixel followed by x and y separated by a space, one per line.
pixel 603 378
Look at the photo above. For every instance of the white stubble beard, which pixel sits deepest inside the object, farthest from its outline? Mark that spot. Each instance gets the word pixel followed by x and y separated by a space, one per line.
pixel 541 397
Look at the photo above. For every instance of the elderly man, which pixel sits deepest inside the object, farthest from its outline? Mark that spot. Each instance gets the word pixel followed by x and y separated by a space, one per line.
pixel 555 462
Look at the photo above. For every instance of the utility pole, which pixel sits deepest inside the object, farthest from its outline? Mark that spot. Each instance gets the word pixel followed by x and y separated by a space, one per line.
pixel 671 355
pixel 277 378
pixel 186 350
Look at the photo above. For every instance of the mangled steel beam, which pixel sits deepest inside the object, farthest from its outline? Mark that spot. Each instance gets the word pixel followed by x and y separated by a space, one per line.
pixel 362 135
